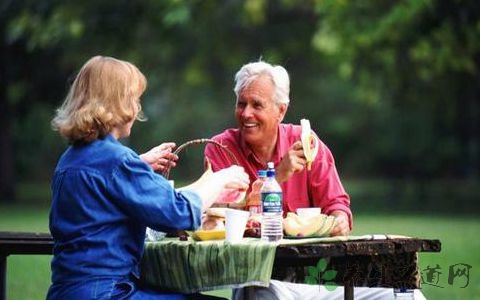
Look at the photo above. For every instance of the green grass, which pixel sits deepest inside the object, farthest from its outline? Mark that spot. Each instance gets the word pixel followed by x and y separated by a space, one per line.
pixel 28 277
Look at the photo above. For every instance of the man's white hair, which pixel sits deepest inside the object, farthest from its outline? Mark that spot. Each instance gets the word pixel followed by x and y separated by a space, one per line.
pixel 281 81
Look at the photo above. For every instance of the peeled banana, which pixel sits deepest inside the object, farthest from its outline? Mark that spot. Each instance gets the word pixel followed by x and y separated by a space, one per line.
pixel 309 142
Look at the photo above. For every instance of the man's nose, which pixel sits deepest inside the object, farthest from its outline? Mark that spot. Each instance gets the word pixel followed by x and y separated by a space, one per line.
pixel 247 111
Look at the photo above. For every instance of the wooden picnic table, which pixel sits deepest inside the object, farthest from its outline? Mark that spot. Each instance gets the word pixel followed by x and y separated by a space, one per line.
pixel 361 261
pixel 395 258
pixel 390 262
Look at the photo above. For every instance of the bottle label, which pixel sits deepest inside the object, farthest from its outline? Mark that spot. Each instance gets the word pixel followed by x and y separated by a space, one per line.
pixel 272 202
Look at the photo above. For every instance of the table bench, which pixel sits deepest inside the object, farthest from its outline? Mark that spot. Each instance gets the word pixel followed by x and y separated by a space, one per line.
pixel 13 243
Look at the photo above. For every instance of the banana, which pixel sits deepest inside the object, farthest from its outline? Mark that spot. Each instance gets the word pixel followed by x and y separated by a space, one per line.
pixel 307 138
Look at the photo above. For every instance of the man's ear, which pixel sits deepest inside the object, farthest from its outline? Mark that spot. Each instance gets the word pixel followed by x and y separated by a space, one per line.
pixel 282 111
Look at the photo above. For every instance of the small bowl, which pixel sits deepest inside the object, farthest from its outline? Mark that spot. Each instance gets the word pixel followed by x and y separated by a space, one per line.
pixel 308 212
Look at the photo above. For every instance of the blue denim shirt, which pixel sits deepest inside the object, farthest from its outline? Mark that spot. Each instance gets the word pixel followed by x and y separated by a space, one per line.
pixel 103 197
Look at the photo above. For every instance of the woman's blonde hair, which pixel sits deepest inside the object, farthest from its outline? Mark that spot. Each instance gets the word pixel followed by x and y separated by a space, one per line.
pixel 105 93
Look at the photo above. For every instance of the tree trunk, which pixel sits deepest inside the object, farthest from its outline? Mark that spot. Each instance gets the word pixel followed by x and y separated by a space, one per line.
pixel 7 169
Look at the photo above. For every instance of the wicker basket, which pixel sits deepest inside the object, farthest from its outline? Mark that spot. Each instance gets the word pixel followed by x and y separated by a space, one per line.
pixel 166 172
pixel 182 234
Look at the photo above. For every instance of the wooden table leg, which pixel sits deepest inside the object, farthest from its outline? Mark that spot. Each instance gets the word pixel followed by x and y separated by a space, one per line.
pixel 3 277
pixel 348 292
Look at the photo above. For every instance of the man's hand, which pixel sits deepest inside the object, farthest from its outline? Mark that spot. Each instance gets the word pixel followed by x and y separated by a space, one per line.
pixel 293 161
pixel 342 226
pixel 160 157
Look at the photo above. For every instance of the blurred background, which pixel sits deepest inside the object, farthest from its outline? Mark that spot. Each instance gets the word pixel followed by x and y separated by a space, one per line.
pixel 392 87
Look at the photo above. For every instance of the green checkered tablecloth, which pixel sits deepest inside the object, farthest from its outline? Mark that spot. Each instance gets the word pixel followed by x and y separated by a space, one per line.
pixel 195 266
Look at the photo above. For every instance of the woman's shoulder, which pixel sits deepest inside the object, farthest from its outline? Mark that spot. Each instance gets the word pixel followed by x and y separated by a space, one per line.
pixel 108 151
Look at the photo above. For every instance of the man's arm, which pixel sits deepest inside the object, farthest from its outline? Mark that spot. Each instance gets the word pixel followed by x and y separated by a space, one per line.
pixel 328 192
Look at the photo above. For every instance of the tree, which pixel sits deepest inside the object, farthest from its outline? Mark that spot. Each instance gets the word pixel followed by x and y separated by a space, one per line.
pixel 30 73
pixel 416 63
pixel 367 74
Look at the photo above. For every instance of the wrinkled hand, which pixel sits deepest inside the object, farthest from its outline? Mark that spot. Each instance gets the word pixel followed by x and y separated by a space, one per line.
pixel 233 177
pixel 293 161
pixel 342 226
pixel 229 180
pixel 160 157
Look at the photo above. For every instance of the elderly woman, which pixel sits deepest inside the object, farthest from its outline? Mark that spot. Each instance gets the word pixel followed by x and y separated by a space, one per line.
pixel 104 195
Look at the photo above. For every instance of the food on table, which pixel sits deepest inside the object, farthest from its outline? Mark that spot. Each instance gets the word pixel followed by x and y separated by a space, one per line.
pixel 213 225
pixel 319 225
pixel 309 142
pixel 208 235
pixel 327 227
pixel 252 229
pixel 214 219
pixel 254 199
pixel 231 196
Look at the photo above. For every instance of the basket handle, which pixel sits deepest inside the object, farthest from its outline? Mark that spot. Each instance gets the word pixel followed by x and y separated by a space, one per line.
pixel 166 172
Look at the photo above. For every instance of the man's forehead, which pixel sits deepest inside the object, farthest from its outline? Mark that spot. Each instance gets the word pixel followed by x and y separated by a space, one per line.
pixel 261 86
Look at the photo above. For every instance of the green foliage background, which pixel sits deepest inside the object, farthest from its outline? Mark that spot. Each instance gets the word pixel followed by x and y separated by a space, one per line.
pixel 392 87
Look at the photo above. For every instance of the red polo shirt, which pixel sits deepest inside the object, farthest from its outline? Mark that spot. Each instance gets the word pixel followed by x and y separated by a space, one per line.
pixel 319 187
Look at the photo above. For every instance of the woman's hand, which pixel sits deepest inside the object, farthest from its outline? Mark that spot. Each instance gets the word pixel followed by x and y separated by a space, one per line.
pixel 342 226
pixel 161 157
pixel 229 180
pixel 233 177
pixel 293 161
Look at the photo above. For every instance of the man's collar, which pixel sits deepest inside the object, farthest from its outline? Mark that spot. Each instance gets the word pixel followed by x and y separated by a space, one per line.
pixel 251 155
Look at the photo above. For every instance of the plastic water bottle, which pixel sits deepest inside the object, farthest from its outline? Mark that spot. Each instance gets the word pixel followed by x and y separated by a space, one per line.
pixel 403 294
pixel 254 201
pixel 272 211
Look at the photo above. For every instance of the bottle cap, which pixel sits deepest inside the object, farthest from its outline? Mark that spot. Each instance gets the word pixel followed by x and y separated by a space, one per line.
pixel 271 169
pixel 262 173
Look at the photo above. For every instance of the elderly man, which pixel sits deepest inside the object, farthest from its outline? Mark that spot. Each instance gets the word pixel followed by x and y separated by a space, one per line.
pixel 262 92
pixel 262 100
